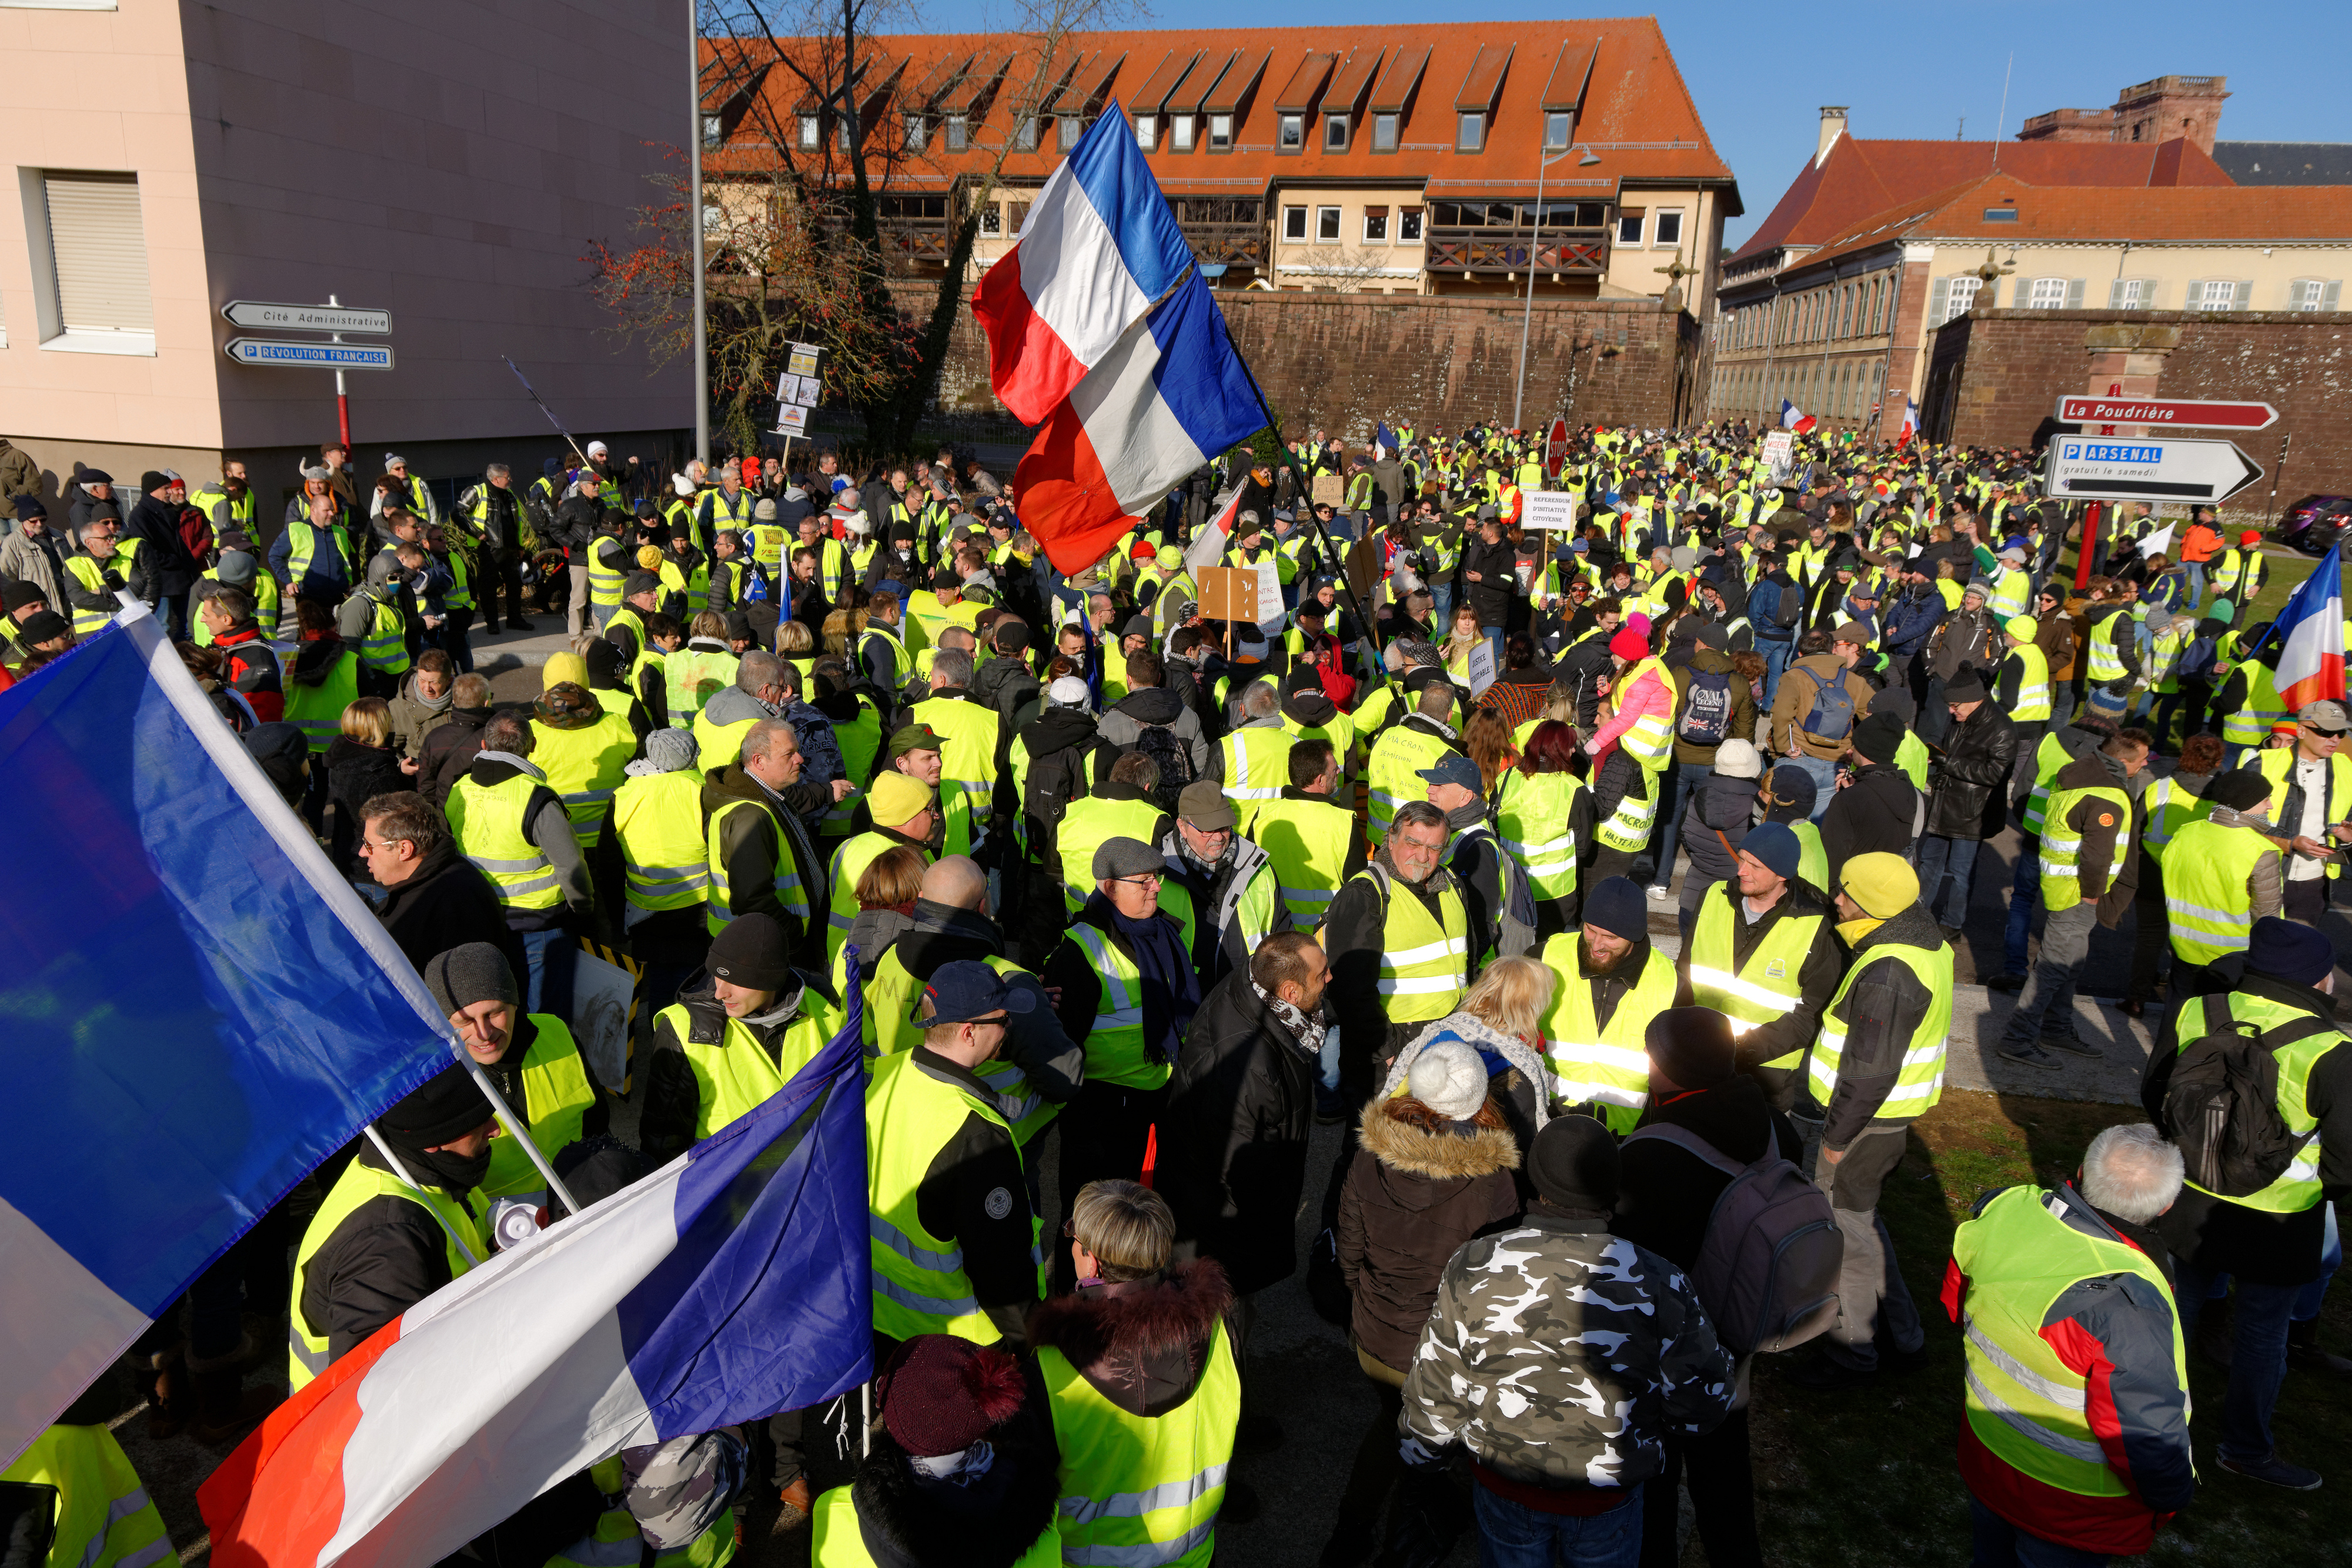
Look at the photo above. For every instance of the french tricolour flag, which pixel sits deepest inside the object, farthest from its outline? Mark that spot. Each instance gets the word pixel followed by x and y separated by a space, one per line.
pixel 1100 329
pixel 728 1285
pixel 1910 422
pixel 1794 418
pixel 2310 665
pixel 199 1009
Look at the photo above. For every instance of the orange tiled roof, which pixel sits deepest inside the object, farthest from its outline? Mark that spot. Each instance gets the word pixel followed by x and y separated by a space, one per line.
pixel 1636 113
pixel 1859 179
pixel 2096 214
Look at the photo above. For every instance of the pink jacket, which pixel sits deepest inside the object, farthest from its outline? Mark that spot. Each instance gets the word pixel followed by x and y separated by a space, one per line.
pixel 1653 694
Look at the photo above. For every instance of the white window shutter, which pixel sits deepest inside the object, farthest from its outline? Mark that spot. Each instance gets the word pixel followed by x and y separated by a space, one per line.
pixel 2074 294
pixel 2115 294
pixel 2149 290
pixel 1940 294
pixel 2243 298
pixel 101 249
pixel 2331 294
pixel 2195 297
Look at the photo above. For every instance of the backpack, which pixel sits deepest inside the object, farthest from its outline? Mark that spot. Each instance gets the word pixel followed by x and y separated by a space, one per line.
pixel 1767 1270
pixel 2199 658
pixel 1055 780
pixel 1831 716
pixel 1707 708
pixel 2221 1107
pixel 1514 920
pixel 1161 743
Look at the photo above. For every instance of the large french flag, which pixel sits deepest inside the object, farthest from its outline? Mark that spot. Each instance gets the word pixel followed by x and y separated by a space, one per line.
pixel 1098 249
pixel 2310 665
pixel 199 1009
pixel 1794 418
pixel 728 1285
pixel 1114 344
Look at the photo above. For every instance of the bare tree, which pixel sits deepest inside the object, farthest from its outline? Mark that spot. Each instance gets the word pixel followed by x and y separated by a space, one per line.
pixel 1349 270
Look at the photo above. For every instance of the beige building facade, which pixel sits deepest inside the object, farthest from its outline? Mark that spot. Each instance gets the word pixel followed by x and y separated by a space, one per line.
pixel 451 163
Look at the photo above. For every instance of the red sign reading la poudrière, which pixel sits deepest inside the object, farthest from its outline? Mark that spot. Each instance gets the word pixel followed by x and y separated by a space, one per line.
pixel 2166 410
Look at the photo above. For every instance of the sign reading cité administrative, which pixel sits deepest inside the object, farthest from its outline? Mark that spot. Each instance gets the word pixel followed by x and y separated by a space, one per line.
pixel 261 315
pixel 2147 468
pixel 310 356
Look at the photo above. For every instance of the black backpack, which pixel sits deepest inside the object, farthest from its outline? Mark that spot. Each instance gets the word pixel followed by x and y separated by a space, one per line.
pixel 1706 709
pixel 1055 780
pixel 1767 1269
pixel 1162 745
pixel 2221 1107
pixel 1788 606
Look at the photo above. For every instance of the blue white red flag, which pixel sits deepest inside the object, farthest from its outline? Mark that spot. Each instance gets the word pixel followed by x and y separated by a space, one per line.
pixel 200 1009
pixel 1208 546
pixel 1910 422
pixel 1101 328
pixel 1794 418
pixel 1385 439
pixel 730 1284
pixel 2310 665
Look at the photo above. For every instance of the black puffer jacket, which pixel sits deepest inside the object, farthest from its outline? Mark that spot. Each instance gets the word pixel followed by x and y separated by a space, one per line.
pixel 1714 826
pixel 1412 1197
pixel 1978 757
pixel 1233 1136
pixel 1877 812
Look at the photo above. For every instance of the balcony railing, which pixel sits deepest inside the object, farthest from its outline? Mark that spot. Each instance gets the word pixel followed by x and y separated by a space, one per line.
pixel 1490 250
pixel 917 239
pixel 1233 244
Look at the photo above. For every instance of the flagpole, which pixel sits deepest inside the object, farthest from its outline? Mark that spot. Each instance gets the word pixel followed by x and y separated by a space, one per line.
pixel 414 1185
pixel 1332 558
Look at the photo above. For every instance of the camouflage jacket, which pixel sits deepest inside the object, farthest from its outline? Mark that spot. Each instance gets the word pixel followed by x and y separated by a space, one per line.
pixel 1560 1356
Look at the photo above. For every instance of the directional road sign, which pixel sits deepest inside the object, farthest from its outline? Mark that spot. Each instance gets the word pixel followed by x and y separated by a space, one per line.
pixel 310 356
pixel 2119 468
pixel 255 315
pixel 2156 411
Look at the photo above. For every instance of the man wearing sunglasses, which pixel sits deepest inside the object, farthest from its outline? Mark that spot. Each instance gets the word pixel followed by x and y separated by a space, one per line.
pixel 2310 803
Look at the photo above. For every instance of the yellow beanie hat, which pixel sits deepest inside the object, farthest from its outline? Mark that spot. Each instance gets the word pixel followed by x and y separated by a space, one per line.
pixel 1883 884
pixel 896 797
pixel 649 556
pixel 561 667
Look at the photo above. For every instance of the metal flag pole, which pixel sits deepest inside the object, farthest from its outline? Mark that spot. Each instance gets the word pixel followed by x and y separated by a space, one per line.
pixel 515 1126
pixel 401 1172
pixel 694 230
pixel 533 392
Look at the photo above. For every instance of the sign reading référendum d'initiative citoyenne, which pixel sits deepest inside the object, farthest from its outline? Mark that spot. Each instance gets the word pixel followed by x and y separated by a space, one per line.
pixel 257 315
pixel 2126 468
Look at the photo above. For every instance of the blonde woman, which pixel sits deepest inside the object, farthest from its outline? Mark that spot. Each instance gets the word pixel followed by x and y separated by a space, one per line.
pixel 363 762
pixel 1464 636
pixel 1502 1019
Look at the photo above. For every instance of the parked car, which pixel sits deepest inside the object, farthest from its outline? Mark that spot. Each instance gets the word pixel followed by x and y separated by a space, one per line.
pixel 2316 524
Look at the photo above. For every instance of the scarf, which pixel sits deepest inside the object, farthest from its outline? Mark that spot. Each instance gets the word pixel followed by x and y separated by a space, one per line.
pixel 434 705
pixel 1172 985
pixel 1306 1032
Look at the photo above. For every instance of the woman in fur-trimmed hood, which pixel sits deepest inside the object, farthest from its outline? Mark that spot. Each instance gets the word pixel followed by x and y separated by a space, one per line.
pixel 1435 1169
pixel 1501 1018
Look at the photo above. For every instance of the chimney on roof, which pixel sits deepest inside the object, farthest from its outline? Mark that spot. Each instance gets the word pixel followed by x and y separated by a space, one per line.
pixel 1832 127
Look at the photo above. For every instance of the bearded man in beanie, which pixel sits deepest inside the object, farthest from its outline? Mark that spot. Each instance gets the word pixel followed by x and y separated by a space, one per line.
pixel 2269 1238
pixel 1561 1356
pixel 1764 952
pixel 961 1469
pixel 1878 809
pixel 1976 752
pixel 536 1067
pixel 378 1245
pixel 1877 1067
pixel 1612 982
pixel 1667 1193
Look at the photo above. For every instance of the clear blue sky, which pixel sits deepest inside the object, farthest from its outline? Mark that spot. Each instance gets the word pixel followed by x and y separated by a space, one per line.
pixel 1760 73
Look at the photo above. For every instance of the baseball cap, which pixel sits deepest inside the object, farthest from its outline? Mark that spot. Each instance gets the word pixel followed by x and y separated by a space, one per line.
pixel 2325 714
pixel 1453 768
pixel 967 989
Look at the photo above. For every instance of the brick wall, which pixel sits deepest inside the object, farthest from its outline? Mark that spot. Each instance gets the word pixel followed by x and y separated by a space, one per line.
pixel 1995 379
pixel 1341 362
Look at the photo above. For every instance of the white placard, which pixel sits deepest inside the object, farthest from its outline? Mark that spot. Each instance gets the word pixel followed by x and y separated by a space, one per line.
pixel 1780 453
pixel 600 1018
pixel 1479 667
pixel 1271 616
pixel 1548 509
pixel 792 417
pixel 802 359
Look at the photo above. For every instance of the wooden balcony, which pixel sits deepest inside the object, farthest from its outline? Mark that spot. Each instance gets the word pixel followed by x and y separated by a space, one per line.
pixel 1233 244
pixel 1582 252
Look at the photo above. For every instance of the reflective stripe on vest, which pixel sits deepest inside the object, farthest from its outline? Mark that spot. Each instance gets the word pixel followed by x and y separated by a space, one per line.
pixel 2062 846
pixel 308 1354
pixel 658 820
pixel 1257 765
pixel 1533 819
pixel 2027 1407
pixel 2207 901
pixel 1115 1051
pixel 2033 690
pixel 1142 1491
pixel 1601 1064
pixel 1768 986
pixel 486 820
pixel 585 766
pixel 1307 844
pixel 318 710
pixel 555 1100
pixel 386 645
pixel 604 581
pixel 919 1285
pixel 1920 1083
pixel 2296 1189
pixel 719 907
pixel 1424 961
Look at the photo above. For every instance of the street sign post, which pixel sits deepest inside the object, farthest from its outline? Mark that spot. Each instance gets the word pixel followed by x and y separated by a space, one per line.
pixel 1556 447
pixel 257 316
pixel 2121 468
pixel 2163 412
pixel 310 356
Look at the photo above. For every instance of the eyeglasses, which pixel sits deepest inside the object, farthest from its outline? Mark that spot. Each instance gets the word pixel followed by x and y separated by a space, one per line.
pixel 2326 733
pixel 1150 879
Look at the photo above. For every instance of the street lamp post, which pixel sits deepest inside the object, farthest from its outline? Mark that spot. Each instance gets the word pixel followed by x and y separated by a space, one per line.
pixel 1527 315
pixel 694 227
